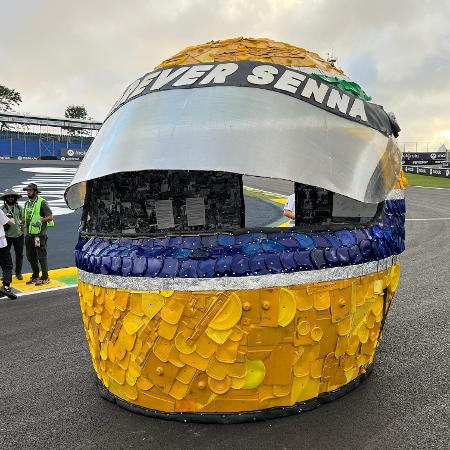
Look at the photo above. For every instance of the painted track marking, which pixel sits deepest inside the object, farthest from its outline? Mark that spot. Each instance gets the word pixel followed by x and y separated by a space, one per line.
pixel 430 218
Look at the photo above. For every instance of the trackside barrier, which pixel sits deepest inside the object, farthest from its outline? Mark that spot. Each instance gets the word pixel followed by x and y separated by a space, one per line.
pixel 423 158
pixel 442 173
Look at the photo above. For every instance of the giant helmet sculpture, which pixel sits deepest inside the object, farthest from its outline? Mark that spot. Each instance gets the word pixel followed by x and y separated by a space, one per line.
pixel 190 314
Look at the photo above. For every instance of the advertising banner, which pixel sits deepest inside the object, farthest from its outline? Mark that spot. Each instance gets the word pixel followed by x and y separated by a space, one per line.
pixel 423 158
pixel 72 154
pixel 444 173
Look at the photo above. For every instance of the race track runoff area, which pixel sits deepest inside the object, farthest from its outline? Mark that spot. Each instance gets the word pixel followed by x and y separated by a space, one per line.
pixel 49 398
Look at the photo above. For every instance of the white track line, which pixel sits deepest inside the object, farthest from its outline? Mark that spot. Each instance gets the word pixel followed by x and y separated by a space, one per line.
pixel 431 218
pixel 429 187
pixel 43 291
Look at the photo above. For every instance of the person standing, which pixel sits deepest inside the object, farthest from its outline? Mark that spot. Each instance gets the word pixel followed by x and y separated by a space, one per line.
pixel 5 258
pixel 289 210
pixel 14 233
pixel 38 217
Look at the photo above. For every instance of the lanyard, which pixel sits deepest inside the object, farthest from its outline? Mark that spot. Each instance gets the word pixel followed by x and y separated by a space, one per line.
pixel 30 210
pixel 12 211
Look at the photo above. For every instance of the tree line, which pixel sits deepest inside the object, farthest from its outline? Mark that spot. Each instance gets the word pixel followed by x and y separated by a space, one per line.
pixel 11 99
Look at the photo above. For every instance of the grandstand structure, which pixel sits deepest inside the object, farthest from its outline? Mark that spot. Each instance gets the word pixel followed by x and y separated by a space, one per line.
pixel 24 136
pixel 427 146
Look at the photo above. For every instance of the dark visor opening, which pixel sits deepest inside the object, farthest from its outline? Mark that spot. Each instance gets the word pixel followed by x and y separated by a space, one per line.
pixel 171 202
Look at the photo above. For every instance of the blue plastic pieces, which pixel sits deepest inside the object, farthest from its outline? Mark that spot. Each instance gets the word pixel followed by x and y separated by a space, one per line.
pixel 244 254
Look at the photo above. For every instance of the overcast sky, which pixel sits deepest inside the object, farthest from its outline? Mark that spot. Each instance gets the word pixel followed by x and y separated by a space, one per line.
pixel 61 52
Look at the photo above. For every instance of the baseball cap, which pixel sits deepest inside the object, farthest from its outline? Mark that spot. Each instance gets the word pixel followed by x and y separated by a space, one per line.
pixel 31 186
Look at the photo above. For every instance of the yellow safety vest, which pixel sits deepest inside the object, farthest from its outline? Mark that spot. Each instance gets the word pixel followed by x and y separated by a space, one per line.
pixel 35 216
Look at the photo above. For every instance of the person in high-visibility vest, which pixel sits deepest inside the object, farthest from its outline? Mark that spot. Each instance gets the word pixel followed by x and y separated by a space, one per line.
pixel 38 217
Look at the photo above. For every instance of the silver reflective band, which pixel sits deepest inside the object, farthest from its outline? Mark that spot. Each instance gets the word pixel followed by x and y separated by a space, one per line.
pixel 246 131
pixel 396 194
pixel 237 283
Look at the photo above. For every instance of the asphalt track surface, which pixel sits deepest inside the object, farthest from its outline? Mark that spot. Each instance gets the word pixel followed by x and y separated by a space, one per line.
pixel 48 397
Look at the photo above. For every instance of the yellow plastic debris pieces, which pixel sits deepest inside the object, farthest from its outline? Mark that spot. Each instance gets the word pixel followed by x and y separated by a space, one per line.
pixel 237 383
pixel 269 299
pixel 199 393
pixel 228 315
pixel 132 323
pixel 219 386
pixel 182 346
pixel 236 334
pixel 317 368
pixel 152 303
pixel 162 349
pixel 363 333
pixel 179 390
pixel 104 351
pixel 174 357
pixel 316 334
pixel 322 300
pixel 88 295
pixel 286 307
pixel 144 384
pixel 166 330
pixel 172 311
pixel 378 287
pixel 118 374
pixel 344 326
pixel 302 368
pixel 402 181
pixel 194 360
pixel 303 327
pixel 251 49
pixel 134 369
pixel 218 336
pixel 211 351
pixel 227 352
pixel 166 293
pixel 352 345
pixel 186 374
pixel 205 346
pixel 216 369
pixel 120 298
pixel 395 278
pixel 370 320
pixel 255 371
pixel 298 385
pixel 304 301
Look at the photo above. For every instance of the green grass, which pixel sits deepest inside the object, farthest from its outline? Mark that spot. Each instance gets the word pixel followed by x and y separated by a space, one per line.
pixel 68 279
pixel 426 180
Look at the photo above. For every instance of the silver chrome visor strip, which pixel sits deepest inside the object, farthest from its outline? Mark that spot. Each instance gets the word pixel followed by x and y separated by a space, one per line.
pixel 396 194
pixel 236 283
pixel 246 131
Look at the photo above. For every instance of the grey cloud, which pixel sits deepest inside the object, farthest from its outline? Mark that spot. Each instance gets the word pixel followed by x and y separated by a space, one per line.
pixel 56 53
